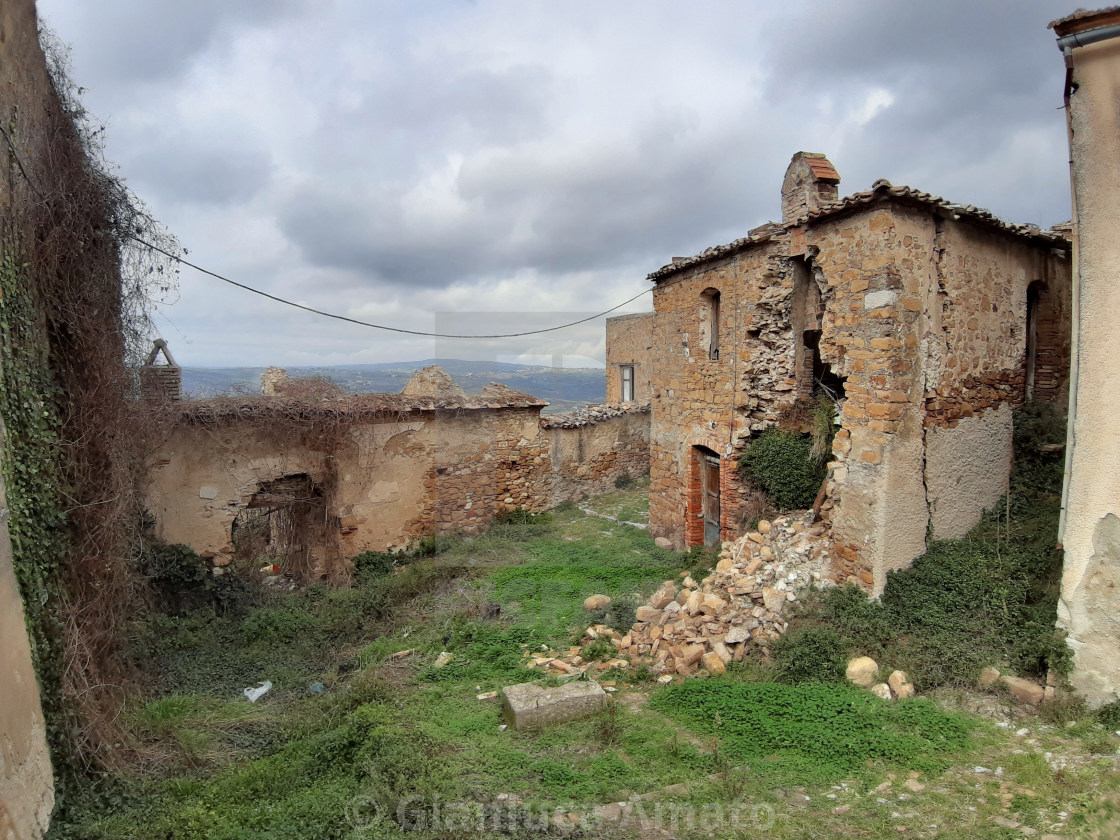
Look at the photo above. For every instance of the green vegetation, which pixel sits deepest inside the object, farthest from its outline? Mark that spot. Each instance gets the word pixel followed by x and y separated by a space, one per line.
pixel 997 588
pixel 35 486
pixel 816 733
pixel 360 719
pixel 782 464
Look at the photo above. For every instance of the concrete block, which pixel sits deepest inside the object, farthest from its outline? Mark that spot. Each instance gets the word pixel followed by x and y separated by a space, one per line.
pixel 530 706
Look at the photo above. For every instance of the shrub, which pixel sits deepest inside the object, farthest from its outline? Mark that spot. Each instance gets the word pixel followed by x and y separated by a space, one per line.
pixel 178 577
pixel 781 463
pixel 623 481
pixel 1109 715
pixel 814 654
pixel 374 563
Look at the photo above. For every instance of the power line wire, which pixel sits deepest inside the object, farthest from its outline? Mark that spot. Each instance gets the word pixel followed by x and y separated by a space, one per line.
pixel 336 317
pixel 189 264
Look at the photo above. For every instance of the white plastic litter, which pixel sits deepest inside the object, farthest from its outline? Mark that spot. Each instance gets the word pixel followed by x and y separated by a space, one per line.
pixel 255 694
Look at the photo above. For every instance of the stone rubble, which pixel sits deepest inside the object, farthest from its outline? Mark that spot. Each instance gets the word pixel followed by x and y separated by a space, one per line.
pixel 688 626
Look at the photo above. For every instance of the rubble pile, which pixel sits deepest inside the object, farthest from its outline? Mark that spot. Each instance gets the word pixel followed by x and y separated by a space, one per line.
pixel 687 625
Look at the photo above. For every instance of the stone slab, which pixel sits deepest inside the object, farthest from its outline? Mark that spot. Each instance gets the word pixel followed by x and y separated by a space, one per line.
pixel 531 706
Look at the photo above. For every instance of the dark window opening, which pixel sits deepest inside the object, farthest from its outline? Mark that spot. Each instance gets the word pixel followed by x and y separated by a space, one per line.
pixel 824 380
pixel 709 322
pixel 1033 294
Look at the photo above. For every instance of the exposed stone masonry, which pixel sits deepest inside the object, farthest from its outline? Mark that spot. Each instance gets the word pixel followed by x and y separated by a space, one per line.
pixel 920 314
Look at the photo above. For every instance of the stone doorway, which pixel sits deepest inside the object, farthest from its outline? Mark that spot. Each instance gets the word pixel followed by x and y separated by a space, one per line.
pixel 284 523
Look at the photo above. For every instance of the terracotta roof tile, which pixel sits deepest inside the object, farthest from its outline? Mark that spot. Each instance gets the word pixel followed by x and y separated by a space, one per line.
pixel 1079 16
pixel 822 168
pixel 881 191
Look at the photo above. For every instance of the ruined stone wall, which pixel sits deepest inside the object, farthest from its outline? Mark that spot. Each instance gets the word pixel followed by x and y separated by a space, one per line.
pixel 925 319
pixel 699 401
pixel 26 784
pixel 630 342
pixel 386 482
pixel 485 464
pixel 389 481
pixel 874 275
pixel 975 360
pixel 589 453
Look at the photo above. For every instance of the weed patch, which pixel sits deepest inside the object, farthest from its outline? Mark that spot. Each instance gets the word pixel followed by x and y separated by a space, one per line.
pixel 818 733
pixel 987 599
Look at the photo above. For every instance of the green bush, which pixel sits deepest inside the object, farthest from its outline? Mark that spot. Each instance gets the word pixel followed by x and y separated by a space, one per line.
pixel 781 464
pixel 813 654
pixel 1109 715
pixel 178 577
pixel 277 624
pixel 374 563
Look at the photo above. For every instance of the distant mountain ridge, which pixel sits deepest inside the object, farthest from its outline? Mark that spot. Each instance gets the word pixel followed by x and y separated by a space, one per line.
pixel 563 388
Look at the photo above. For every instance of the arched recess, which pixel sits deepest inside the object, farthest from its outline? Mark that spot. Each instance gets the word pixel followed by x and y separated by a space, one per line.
pixel 285 523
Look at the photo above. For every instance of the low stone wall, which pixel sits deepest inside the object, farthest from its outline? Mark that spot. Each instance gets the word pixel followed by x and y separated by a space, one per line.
pixel 594 447
pixel 378 472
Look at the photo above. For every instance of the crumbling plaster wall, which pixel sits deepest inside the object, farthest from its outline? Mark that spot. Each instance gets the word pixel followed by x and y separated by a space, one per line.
pixel 389 482
pixel 630 342
pixel 26 783
pixel 1090 599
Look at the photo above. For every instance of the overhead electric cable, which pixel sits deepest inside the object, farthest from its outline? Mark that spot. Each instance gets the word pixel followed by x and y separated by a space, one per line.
pixel 286 302
pixel 189 264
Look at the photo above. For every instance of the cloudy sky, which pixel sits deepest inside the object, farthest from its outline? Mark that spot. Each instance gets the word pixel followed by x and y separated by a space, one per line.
pixel 499 165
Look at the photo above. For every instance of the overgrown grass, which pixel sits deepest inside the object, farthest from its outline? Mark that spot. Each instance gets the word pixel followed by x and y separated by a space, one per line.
pixel 997 588
pixel 816 734
pixel 390 727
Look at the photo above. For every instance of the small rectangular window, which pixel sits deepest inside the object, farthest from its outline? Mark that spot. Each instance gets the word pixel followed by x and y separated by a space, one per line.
pixel 713 348
pixel 627 374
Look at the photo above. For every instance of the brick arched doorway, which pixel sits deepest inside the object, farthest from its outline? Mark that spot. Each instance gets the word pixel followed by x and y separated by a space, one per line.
pixel 704 503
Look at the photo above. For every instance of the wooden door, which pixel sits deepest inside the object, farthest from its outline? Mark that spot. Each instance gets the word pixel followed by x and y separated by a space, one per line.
pixel 709 472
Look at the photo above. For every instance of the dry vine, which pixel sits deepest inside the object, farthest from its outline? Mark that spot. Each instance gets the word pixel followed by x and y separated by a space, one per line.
pixel 69 226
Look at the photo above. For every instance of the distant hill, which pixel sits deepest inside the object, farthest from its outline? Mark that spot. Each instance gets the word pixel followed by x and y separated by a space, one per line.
pixel 563 388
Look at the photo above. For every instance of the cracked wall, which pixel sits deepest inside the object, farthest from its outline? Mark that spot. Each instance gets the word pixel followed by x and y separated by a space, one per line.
pixel 923 318
pixel 1090 599
pixel 391 481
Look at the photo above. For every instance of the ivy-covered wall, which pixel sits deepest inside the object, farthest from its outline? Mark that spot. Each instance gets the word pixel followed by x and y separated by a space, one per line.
pixel 75 292
pixel 31 531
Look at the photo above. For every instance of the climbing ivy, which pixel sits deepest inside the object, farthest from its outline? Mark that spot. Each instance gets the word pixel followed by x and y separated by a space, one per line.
pixel 34 484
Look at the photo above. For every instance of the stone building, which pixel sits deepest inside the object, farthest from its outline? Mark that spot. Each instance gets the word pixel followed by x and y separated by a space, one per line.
pixel 629 347
pixel 1090 532
pixel 926 322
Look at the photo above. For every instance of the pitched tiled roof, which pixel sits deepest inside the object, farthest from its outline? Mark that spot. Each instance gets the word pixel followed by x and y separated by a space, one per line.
pixel 881 191
pixel 1080 15
pixel 591 414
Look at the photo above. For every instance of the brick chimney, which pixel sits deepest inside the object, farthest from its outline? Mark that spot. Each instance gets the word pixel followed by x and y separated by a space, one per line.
pixel 811 182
